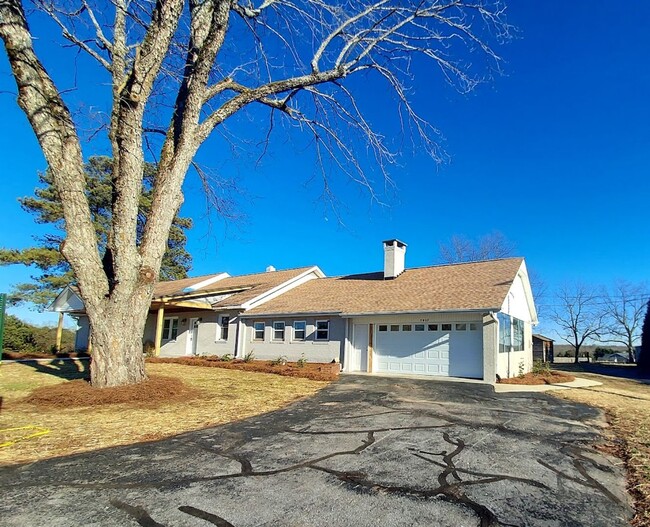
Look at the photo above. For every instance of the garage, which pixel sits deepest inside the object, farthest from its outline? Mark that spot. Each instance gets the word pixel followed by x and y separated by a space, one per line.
pixel 443 349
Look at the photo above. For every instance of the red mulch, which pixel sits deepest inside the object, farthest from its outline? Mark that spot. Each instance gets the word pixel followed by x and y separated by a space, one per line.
pixel 552 377
pixel 310 370
pixel 14 355
pixel 152 392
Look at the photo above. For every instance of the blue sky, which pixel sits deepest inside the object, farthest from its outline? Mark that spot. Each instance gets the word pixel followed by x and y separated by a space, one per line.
pixel 555 154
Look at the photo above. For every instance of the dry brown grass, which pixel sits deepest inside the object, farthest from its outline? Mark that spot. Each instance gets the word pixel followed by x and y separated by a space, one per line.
pixel 627 404
pixel 223 396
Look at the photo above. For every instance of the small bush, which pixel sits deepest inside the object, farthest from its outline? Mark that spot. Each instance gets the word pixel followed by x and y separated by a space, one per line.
pixel 280 361
pixel 249 357
pixel 301 361
pixel 522 368
pixel 226 358
pixel 541 368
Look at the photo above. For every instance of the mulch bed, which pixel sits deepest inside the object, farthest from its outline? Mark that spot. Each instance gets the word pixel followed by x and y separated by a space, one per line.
pixel 152 392
pixel 14 355
pixel 313 371
pixel 553 377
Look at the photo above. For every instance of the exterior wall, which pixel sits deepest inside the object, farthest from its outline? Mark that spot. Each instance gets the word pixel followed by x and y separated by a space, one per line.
pixel 206 344
pixel 313 350
pixel 511 363
pixel 490 348
pixel 82 335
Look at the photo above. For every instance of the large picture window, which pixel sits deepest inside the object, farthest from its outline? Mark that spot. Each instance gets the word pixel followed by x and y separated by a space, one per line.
pixel 505 333
pixel 517 334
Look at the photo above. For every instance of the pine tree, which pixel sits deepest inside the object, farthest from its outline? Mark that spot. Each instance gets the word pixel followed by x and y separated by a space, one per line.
pixel 54 272
pixel 644 356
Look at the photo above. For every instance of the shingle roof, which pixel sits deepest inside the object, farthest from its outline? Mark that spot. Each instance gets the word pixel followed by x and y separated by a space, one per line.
pixel 477 285
pixel 176 287
pixel 246 287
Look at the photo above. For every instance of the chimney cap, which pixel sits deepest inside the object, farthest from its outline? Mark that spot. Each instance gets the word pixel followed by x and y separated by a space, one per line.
pixel 394 241
pixel 270 269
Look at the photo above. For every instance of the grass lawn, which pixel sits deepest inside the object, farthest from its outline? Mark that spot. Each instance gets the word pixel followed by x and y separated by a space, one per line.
pixel 627 404
pixel 220 396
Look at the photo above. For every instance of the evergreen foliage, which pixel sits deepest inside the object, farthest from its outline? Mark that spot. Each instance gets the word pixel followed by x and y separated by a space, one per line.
pixel 22 337
pixel 54 272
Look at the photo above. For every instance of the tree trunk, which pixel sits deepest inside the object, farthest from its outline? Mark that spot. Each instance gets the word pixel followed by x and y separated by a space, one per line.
pixel 576 361
pixel 116 334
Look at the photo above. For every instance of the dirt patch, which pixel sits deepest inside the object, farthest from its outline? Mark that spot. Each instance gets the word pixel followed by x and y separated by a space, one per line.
pixel 552 377
pixel 309 370
pixel 156 390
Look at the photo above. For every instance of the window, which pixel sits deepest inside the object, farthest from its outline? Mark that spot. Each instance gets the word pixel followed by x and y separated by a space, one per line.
pixel 383 327
pixel 473 327
pixel 258 331
pixel 446 327
pixel 461 327
pixel 419 327
pixel 394 327
pixel 223 327
pixel 170 328
pixel 299 330
pixel 432 327
pixel 278 330
pixel 406 327
pixel 322 330
pixel 505 330
pixel 517 334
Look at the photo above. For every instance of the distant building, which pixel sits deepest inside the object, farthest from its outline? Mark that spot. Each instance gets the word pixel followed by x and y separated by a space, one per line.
pixel 616 357
pixel 542 348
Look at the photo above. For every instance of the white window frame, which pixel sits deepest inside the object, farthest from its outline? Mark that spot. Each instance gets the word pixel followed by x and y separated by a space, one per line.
pixel 316 330
pixel 167 333
pixel 304 330
pixel 220 327
pixel 255 339
pixel 284 330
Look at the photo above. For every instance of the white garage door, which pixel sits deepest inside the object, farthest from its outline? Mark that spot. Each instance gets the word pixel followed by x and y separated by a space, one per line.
pixel 448 349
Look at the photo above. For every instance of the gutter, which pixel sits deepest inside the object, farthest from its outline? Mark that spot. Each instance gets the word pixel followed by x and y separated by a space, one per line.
pixel 420 312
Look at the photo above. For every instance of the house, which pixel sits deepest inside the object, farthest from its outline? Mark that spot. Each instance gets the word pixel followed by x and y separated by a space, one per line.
pixel 469 320
pixel 542 348
pixel 617 357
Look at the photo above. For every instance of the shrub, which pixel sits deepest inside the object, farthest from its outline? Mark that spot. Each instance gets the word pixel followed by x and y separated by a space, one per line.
pixel 541 368
pixel 301 361
pixel 249 357
pixel 226 358
pixel 280 361
pixel 149 348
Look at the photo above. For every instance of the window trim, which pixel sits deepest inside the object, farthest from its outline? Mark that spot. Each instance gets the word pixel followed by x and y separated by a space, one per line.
pixel 304 330
pixel 255 330
pixel 284 331
pixel 316 330
pixel 166 334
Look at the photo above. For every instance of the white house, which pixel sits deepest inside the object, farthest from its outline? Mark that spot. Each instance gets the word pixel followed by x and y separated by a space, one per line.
pixel 470 320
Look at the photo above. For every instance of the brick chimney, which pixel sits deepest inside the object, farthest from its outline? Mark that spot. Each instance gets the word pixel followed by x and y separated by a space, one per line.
pixel 394 253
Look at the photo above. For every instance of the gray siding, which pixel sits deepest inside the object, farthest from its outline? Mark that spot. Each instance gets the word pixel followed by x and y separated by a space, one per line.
pixel 313 350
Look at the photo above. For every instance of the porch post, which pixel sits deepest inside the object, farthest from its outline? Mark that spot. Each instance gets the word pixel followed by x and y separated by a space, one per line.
pixel 59 332
pixel 159 328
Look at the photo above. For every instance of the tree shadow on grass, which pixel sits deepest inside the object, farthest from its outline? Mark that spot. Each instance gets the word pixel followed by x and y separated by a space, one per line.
pixel 67 369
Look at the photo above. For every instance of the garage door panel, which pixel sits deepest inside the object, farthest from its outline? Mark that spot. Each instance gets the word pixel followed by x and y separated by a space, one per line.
pixel 456 353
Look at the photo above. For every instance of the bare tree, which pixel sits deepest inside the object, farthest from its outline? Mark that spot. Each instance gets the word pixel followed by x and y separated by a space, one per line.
pixel 579 315
pixel 625 306
pixel 179 70
pixel 489 247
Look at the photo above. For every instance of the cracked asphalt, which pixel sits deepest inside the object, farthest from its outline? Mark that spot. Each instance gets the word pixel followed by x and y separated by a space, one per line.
pixel 365 451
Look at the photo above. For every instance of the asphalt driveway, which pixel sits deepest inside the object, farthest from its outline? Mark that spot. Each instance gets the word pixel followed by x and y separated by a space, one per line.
pixel 366 451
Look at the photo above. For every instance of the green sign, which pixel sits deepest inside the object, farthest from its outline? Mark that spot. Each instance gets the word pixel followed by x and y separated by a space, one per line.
pixel 3 304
